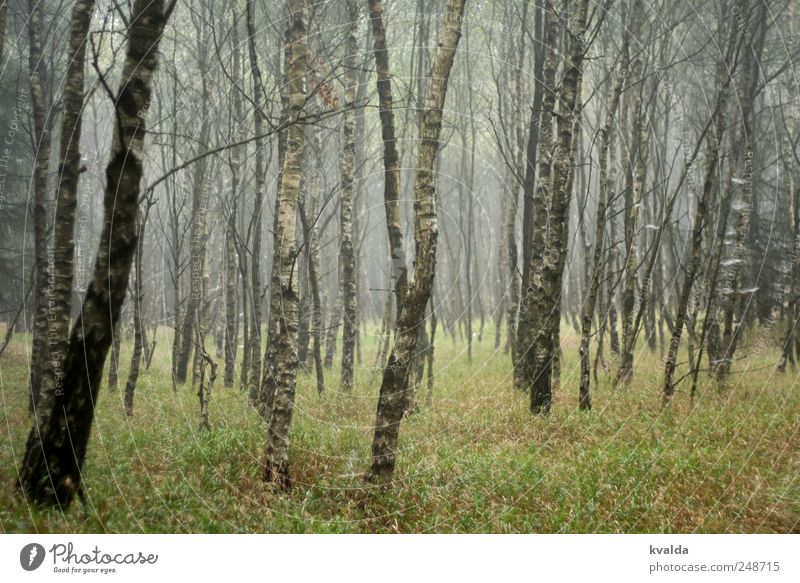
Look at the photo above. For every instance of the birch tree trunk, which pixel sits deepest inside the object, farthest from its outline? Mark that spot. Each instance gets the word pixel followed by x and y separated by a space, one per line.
pixel 197 252
pixel 284 307
pixel 113 368
pixel 37 75
pixel 541 117
pixel 67 195
pixel 396 373
pixel 51 470
pixel 199 273
pixel 391 158
pixel 635 174
pixel 538 198
pixel 712 158
pixel 546 265
pixel 262 395
pixel 605 184
pixel 138 324
pixel 315 316
pixel 790 352
pixel 736 303
pixel 254 337
pixel 231 341
pixel 311 236
pixel 333 330
pixel 176 244
pixel 347 257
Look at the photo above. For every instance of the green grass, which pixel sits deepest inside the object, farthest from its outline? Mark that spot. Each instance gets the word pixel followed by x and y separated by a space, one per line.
pixel 474 460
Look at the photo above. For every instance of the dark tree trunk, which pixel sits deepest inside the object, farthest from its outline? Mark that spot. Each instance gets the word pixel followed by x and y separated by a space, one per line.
pixel 315 315
pixel 606 185
pixel 51 469
pixel 347 256
pixel 138 323
pixel 254 337
pixel 332 332
pixel 3 18
pixel 231 340
pixel 37 73
pixel 194 305
pixel 113 368
pixel 636 160
pixel 391 158
pixel 683 315
pixel 67 197
pixel 736 303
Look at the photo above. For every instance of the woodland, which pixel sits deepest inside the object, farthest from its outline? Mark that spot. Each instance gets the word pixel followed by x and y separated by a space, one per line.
pixel 399 266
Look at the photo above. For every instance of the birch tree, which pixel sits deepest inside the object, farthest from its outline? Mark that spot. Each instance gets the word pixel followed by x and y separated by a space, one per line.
pixel 547 263
pixel 605 187
pixel 392 398
pixel 37 75
pixel 347 256
pixel 56 448
pixel 284 303
pixel 67 194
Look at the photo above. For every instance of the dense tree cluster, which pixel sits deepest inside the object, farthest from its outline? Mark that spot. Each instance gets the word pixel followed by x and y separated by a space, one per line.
pixel 250 187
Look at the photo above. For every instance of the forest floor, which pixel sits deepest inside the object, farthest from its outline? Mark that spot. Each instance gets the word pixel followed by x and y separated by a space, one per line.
pixel 472 460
